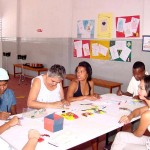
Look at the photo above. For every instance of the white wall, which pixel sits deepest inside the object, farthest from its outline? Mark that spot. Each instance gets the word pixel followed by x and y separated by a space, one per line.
pixel 9 18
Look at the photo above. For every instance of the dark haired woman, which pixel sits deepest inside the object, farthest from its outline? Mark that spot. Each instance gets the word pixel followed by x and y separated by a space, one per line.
pixel 82 87
pixel 135 140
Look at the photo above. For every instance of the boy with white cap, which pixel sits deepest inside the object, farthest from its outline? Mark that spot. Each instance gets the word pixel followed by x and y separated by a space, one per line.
pixel 7 98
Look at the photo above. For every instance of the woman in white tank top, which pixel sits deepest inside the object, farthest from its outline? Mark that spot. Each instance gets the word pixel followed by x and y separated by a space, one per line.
pixel 47 91
pixel 136 140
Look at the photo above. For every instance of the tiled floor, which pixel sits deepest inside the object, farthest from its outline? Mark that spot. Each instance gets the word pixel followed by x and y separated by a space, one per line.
pixel 21 92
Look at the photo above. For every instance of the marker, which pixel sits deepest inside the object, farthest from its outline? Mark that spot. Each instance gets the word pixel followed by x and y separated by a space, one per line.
pixel 52 144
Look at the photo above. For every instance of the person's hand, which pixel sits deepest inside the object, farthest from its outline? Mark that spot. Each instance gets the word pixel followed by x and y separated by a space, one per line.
pixel 92 98
pixel 124 119
pixel 14 121
pixel 33 134
pixel 4 115
pixel 58 104
pixel 119 93
pixel 96 95
pixel 65 102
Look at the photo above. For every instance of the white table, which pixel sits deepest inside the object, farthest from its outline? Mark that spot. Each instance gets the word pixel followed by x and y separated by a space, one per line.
pixel 76 131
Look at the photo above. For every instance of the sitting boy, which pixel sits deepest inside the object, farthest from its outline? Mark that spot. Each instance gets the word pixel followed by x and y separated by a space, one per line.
pixel 7 98
pixel 138 75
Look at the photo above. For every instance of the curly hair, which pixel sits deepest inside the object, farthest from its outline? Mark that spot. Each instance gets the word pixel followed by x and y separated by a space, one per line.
pixel 88 68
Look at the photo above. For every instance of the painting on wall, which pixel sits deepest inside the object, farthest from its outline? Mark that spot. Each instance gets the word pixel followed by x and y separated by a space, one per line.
pixel 85 28
pixel 128 26
pixel 146 43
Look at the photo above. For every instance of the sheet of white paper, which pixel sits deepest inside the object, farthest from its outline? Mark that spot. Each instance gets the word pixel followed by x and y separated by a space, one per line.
pixel 95 49
pixel 103 50
pixel 79 52
pixel 113 52
pixel 78 44
pixel 127 29
pixel 120 24
pixel 120 45
pixel 134 24
pixel 125 53
pixel 86 49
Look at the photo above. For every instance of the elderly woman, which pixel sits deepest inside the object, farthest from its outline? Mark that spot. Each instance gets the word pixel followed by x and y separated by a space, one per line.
pixel 46 90
pixel 125 140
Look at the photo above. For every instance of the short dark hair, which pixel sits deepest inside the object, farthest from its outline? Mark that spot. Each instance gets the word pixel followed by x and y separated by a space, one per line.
pixel 147 85
pixel 57 71
pixel 88 68
pixel 139 64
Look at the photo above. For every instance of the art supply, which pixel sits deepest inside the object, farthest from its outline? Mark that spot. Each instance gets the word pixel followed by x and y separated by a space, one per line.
pixel 52 144
pixel 87 104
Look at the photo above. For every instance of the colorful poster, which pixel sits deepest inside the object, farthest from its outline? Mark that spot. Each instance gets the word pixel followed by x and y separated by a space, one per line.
pixel 85 28
pixel 120 50
pixel 99 49
pixel 104 28
pixel 128 26
pixel 81 48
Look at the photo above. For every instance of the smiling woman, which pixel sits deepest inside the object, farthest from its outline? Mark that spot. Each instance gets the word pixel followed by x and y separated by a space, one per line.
pixel 124 140
pixel 47 91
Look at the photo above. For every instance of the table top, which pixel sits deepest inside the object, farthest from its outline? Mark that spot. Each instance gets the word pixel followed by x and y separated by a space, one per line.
pixel 79 130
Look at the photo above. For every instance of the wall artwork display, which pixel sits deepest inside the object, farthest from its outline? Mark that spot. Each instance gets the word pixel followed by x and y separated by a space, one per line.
pixel 128 26
pixel 121 50
pixel 146 43
pixel 81 48
pixel 104 27
pixel 85 28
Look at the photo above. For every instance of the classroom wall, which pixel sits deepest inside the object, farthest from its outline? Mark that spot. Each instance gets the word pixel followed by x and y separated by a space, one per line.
pixel 51 45
pixel 113 70
pixel 58 21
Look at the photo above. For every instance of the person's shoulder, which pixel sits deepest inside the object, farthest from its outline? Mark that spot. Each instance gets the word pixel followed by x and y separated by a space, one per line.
pixel 9 90
pixel 74 82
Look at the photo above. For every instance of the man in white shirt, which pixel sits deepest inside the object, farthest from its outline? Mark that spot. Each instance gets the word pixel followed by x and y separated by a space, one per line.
pixel 138 74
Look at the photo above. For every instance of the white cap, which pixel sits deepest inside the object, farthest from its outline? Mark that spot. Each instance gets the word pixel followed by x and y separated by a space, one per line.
pixel 3 75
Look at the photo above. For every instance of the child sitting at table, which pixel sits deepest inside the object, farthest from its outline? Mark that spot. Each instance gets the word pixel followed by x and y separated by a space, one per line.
pixel 47 91
pixel 82 87
pixel 7 98
pixel 138 74
pixel 137 139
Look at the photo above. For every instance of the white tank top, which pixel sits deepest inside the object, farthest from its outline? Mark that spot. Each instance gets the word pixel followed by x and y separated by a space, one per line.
pixel 46 95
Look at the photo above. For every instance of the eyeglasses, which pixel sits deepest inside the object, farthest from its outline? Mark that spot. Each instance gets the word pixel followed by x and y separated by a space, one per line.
pixel 141 88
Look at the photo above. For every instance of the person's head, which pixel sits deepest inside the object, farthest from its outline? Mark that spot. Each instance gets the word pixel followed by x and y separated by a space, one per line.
pixel 84 71
pixel 144 88
pixel 4 77
pixel 55 74
pixel 138 70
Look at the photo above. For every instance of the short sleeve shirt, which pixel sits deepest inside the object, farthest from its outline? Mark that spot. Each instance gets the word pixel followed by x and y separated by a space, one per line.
pixel 133 85
pixel 7 99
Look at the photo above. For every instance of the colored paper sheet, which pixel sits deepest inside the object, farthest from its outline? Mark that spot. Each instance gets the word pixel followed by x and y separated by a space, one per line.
pixel 104 28
pixel 128 26
pixel 120 50
pixel 81 48
pixel 85 28
pixel 99 49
